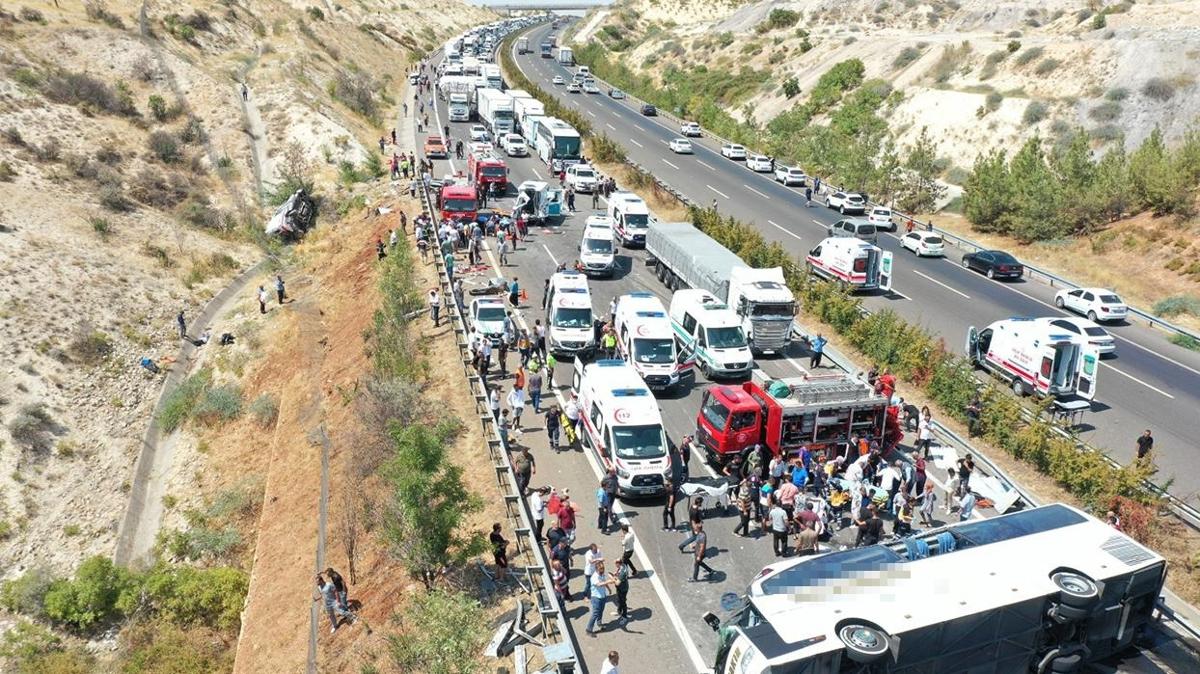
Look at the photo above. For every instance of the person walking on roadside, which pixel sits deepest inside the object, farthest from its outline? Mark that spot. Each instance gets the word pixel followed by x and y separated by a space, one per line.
pixel 537 508
pixel 696 518
pixel 698 554
pixel 966 466
pixel 685 455
pixel 262 300
pixel 928 501
pixel 808 196
pixel 609 666
pixel 328 594
pixel 602 506
pixel 668 513
pixel 339 587
pixel 1145 444
pixel 245 92
pixel 590 557
pixel 743 503
pixel 280 290
pixel 924 433
pixel 966 506
pixel 516 403
pixel 181 322
pixel 552 426
pixel 435 302
pixel 494 402
pixel 535 388
pixel 499 551
pixel 601 584
pixel 974 412
pixel 817 348
pixel 524 468
pixel 622 574
pixel 806 540
pixel 627 541
pixel 779 528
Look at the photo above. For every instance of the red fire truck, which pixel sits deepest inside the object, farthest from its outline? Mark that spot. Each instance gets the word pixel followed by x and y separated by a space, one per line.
pixel 819 412
pixel 458 199
pixel 488 172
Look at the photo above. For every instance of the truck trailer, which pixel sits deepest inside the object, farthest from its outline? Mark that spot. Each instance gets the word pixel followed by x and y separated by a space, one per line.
pixel 685 257
pixel 495 110
pixel 566 57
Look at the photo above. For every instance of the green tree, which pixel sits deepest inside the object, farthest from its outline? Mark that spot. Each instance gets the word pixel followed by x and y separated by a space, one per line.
pixel 1076 170
pixel 425 515
pixel 987 192
pixel 791 87
pixel 443 634
pixel 1036 196
pixel 99 592
pixel 921 190
pixel 1159 183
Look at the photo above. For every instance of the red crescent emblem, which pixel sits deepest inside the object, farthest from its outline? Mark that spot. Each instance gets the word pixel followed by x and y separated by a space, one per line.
pixel 741 437
pixel 641 330
pixel 621 415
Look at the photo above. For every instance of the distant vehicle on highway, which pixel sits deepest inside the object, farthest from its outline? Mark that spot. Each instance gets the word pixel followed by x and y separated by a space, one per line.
pixel 881 217
pixel 573 88
pixel 616 94
pixel 854 228
pixel 846 202
pixel 1090 332
pixel 589 87
pixel 479 133
pixel 790 175
pixel 558 80
pixel 681 146
pixel 649 110
pixel 759 163
pixel 514 145
pixel 994 263
pixel 924 244
pixel 435 148
pixel 1098 304
pixel 690 130
pixel 733 151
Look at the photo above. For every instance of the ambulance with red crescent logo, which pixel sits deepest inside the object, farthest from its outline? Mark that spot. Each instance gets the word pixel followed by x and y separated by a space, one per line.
pixel 851 262
pixel 622 426
pixel 645 340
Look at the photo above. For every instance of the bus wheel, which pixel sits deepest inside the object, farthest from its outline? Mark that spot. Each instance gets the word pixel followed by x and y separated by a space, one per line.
pixel 1076 590
pixel 863 644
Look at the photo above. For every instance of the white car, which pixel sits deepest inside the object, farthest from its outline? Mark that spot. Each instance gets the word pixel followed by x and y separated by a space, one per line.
pixel 681 146
pixel 1094 334
pixel 480 147
pixel 881 217
pixel 759 163
pixel 479 133
pixel 925 244
pixel 733 151
pixel 514 145
pixel 790 175
pixel 846 202
pixel 616 94
pixel 487 317
pixel 558 80
pixel 690 130
pixel 1098 304
pixel 573 88
pixel 590 87
pixel 582 178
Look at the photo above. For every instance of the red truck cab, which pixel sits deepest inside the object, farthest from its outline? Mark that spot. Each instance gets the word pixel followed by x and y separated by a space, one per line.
pixel 458 200
pixel 488 171
pixel 819 412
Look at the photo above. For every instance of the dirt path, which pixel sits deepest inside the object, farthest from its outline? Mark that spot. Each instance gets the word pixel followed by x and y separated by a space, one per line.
pixel 264 167
pixel 139 528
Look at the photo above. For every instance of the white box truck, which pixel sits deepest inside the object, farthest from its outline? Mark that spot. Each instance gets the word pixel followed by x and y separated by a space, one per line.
pixel 495 110
pixel 685 257
pixel 522 45
pixel 524 110
pixel 492 73
pixel 565 56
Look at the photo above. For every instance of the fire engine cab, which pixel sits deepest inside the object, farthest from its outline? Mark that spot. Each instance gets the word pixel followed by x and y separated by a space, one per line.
pixel 458 199
pixel 488 172
pixel 1036 357
pixel 622 426
pixel 646 341
pixel 851 262
pixel 819 412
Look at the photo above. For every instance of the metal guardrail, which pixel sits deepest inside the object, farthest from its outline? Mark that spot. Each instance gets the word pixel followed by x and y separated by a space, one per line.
pixel 555 627
pixel 970 246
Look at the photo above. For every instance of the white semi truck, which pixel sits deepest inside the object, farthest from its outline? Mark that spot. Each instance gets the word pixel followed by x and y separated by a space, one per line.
pixel 491 72
pixel 565 56
pixel 524 111
pixel 685 257
pixel 495 110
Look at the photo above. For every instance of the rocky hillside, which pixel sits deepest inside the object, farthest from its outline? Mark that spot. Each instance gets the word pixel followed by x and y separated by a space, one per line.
pixel 978 74
pixel 134 178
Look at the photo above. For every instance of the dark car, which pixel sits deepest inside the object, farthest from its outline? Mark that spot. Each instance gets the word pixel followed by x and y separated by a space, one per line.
pixel 994 263
pixel 649 110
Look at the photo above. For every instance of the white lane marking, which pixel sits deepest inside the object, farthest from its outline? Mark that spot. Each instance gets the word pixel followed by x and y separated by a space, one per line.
pixel 551 255
pixel 591 113
pixel 818 222
pixel 638 127
pixel 670 164
pixel 636 143
pixel 717 191
pixel 784 230
pixel 1149 386
pixel 610 126
pixel 710 168
pixel 930 278
pixel 756 191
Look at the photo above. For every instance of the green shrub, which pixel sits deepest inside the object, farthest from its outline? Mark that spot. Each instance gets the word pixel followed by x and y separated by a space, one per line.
pixel 7 172
pixel 1035 112
pixel 1158 89
pixel 316 14
pixel 950 62
pixel 1186 341
pixel 264 409
pixel 1106 111
pixel 189 596
pixel 164 145
pixel 159 647
pixel 1177 305
pixel 434 639
pixel 1117 94
pixel 26 593
pixel 180 403
pixel 1029 55
pixel 113 198
pixel 158 107
pixel 906 57
pixel 782 18
pixel 604 149
pixel 99 593
pixel 1099 21
pixel 32 427
pixel 1014 46
pixel 993 101
pixel 198 210
pixel 91 347
pixel 219 404
pixel 791 87
pixel 86 91
pixel 1047 66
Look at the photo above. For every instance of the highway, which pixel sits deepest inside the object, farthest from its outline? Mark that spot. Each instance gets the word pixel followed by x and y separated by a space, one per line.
pixel 1149 383
pixel 666 629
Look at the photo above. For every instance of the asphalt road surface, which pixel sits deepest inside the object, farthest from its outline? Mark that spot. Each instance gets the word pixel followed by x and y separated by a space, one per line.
pixel 1148 384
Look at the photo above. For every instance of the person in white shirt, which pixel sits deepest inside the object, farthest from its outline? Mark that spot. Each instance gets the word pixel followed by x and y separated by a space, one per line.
pixel 494 401
pixel 627 540
pixel 516 402
pixel 590 558
pixel 609 666
pixel 537 508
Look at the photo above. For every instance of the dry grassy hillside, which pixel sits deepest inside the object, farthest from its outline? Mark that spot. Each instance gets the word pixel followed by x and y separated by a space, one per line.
pixel 131 187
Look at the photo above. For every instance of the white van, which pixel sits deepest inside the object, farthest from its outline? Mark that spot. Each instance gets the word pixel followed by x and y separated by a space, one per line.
pixel 646 342
pixel 851 262
pixel 569 315
pixel 583 71
pixel 622 425
pixel 631 217
pixel 711 333
pixel 1034 356
pixel 597 251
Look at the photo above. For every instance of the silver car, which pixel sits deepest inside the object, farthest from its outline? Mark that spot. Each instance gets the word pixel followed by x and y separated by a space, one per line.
pixel 856 228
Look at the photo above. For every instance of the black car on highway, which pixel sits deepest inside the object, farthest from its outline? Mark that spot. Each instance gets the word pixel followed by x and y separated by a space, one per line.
pixel 994 263
pixel 649 110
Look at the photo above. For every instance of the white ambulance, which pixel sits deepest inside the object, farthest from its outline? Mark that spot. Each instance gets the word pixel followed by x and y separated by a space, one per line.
pixel 646 342
pixel 597 250
pixel 622 425
pixel 1035 357
pixel 710 333
pixel 631 216
pixel 569 315
pixel 851 262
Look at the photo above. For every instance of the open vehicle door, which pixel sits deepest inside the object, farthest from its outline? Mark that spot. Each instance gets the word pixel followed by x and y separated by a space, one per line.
pixel 885 271
pixel 577 376
pixel 1089 366
pixel 972 346
pixel 685 359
